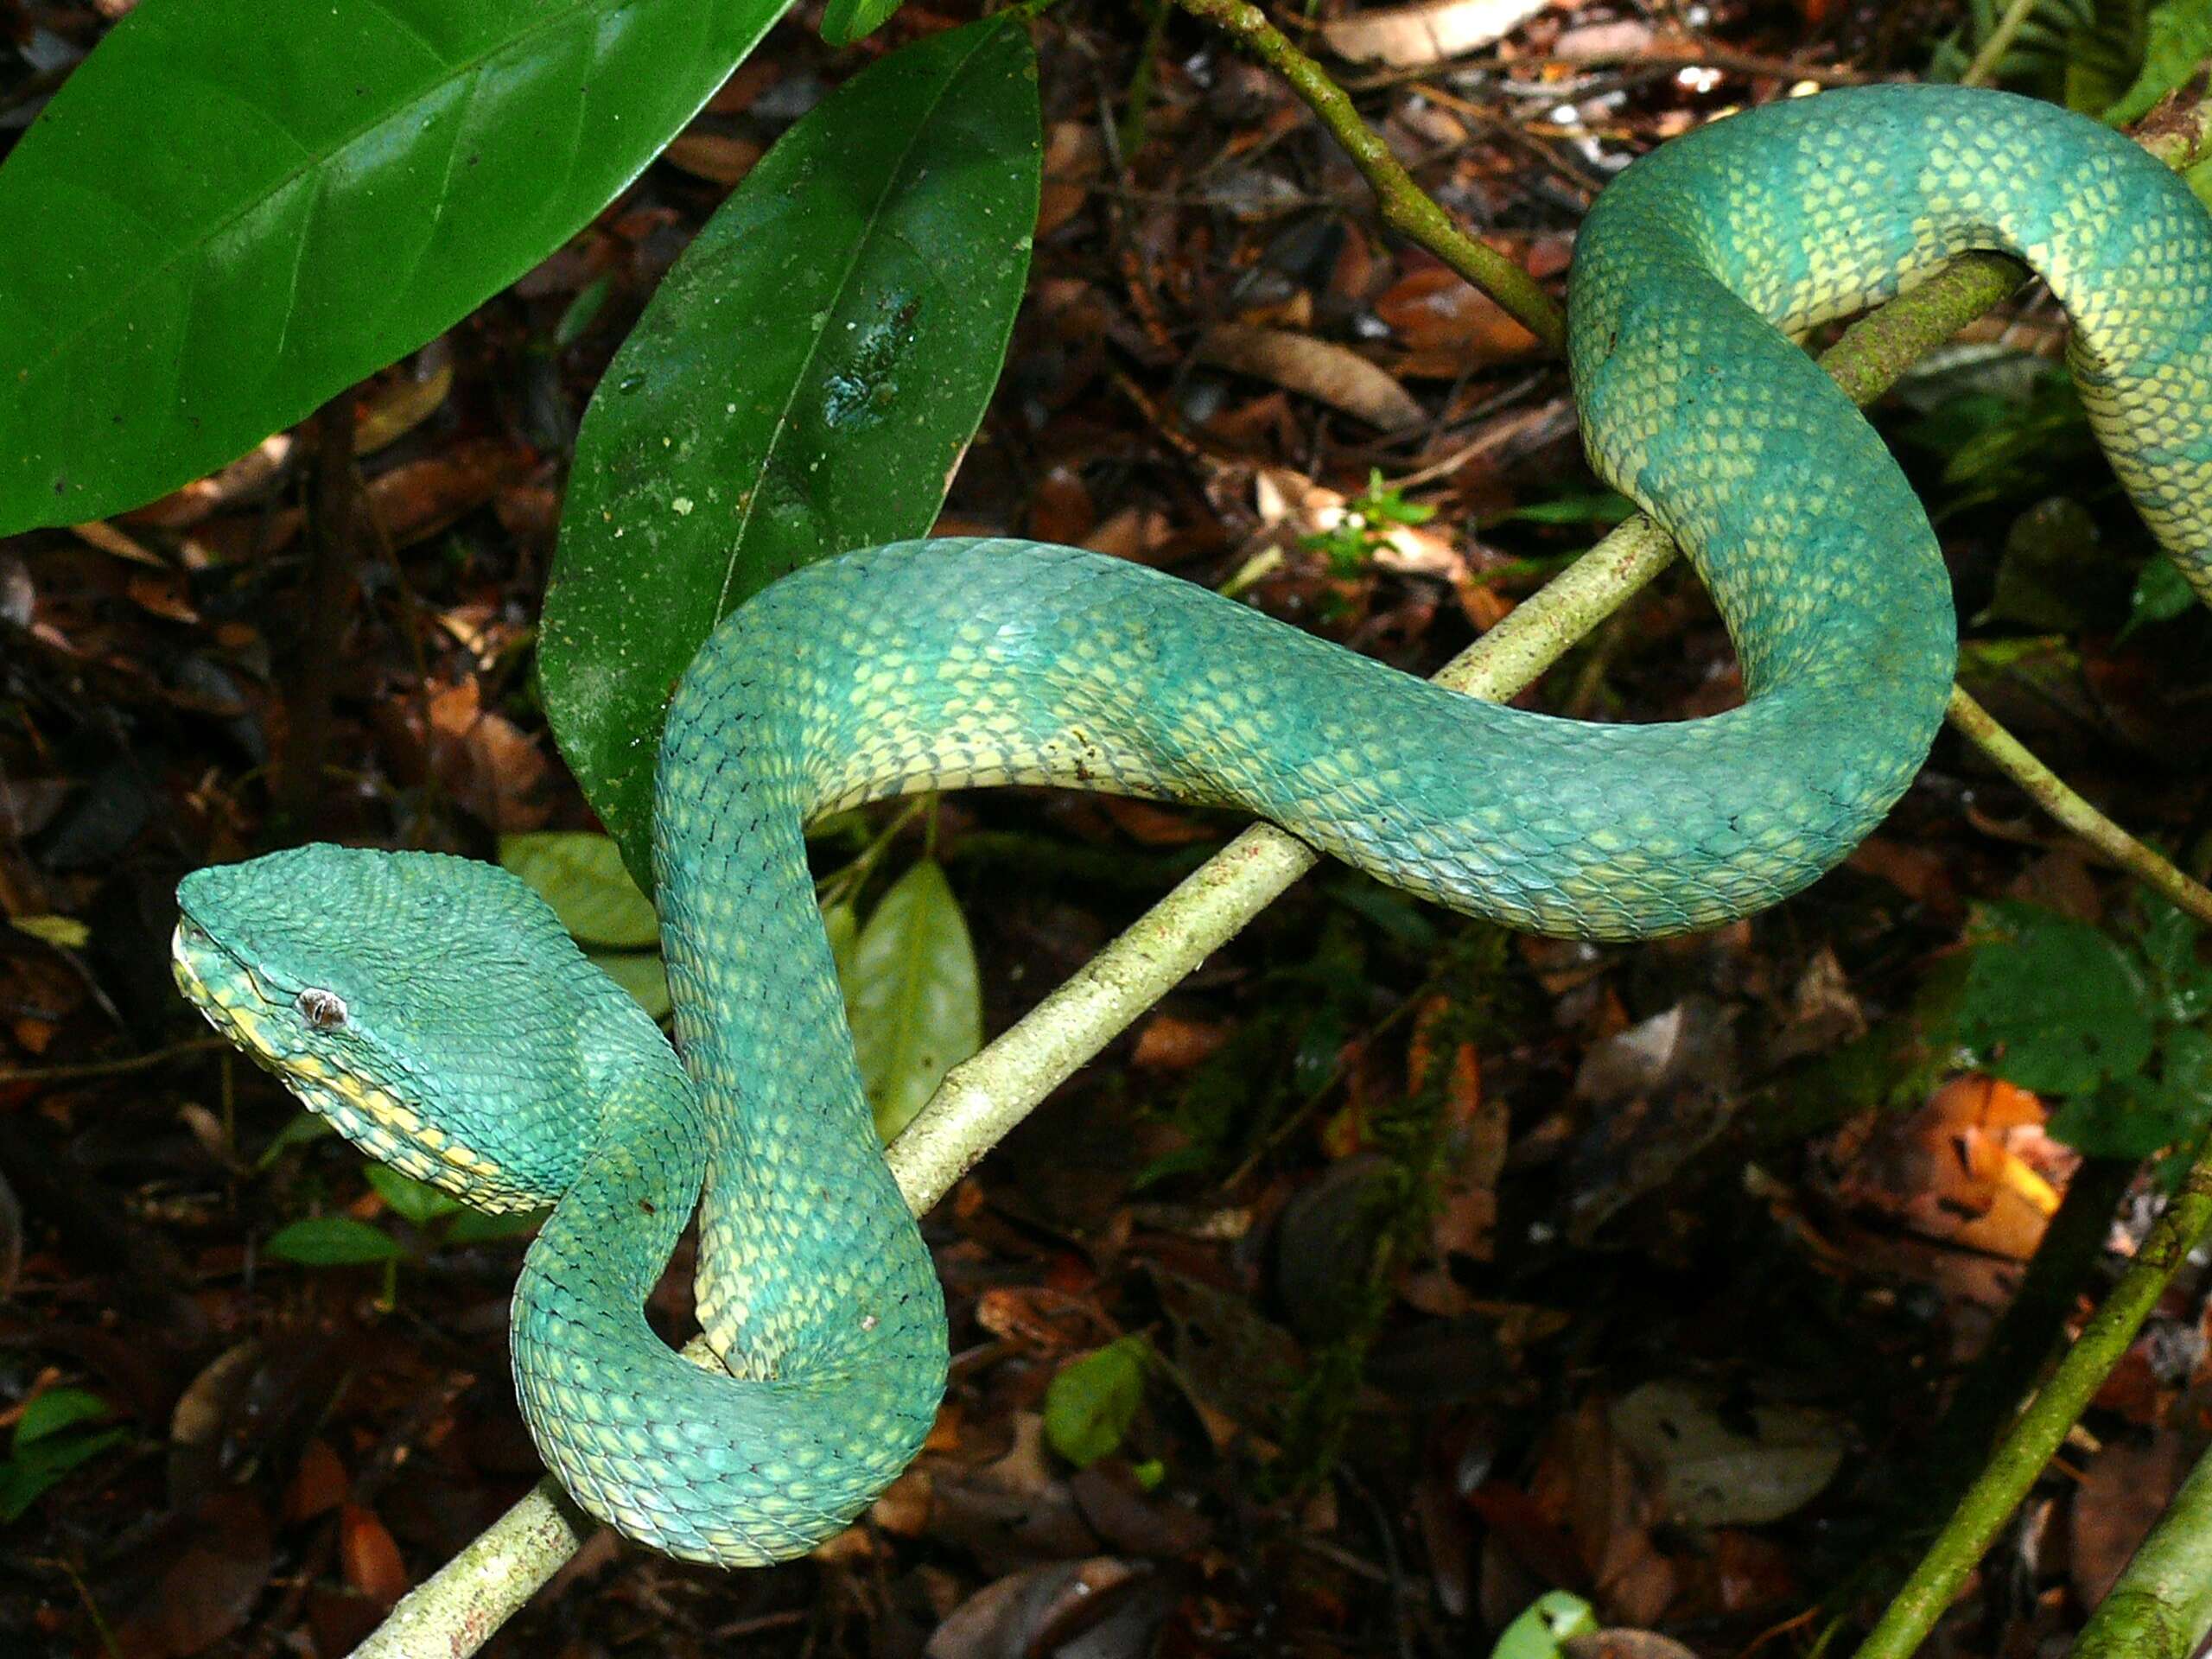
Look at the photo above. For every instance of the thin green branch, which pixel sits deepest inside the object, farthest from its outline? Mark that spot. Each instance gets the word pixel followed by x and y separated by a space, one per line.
pixel 1405 206
pixel 2049 791
pixel 2042 1427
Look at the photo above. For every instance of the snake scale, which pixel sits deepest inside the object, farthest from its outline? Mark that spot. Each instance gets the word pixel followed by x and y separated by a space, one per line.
pixel 434 1010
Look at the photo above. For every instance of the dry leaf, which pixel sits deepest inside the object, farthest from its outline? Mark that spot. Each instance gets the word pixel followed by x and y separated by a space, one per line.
pixel 1322 369
pixel 1407 37
pixel 717 157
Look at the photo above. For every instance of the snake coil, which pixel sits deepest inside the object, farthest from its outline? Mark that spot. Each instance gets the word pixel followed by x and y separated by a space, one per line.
pixel 434 1010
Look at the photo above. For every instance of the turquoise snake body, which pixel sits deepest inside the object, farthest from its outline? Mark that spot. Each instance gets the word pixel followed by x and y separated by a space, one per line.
pixel 436 1012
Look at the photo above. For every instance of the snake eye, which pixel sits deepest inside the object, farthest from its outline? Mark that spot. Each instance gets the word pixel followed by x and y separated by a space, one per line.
pixel 324 1010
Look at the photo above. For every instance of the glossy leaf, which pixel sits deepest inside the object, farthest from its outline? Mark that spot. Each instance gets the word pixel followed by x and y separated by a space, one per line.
pixel 234 209
pixel 412 1200
pixel 913 996
pixel 1545 1626
pixel 57 1409
pixel 34 1468
pixel 804 382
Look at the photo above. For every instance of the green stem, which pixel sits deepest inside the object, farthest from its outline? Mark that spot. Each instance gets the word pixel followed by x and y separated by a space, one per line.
pixel 1405 206
pixel 2042 1427
pixel 2049 791
pixel 2161 1607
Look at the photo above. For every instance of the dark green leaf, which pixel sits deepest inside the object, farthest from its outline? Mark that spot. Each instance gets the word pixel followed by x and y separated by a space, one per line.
pixel 2052 1003
pixel 581 875
pixel 1089 1404
pixel 2178 37
pixel 2129 1118
pixel 913 996
pixel 2053 574
pixel 479 1227
pixel 55 1410
pixel 1593 507
pixel 235 209
pixel 802 384
pixel 333 1242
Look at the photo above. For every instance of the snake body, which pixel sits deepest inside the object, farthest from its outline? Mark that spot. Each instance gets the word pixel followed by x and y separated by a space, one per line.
pixel 435 1011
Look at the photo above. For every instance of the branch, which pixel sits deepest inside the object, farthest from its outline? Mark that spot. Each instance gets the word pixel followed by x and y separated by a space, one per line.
pixel 2161 1606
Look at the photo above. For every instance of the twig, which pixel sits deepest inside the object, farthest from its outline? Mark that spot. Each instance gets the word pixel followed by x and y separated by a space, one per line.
pixel 117 1068
pixel 2042 1427
pixel 2049 791
pixel 1405 206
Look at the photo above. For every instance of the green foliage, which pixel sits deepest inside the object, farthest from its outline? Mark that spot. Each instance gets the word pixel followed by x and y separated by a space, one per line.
pixel 1351 544
pixel 2176 38
pixel 582 876
pixel 913 996
pixel 2112 59
pixel 844 21
pixel 1999 442
pixel 1089 1405
pixel 804 382
pixel 333 1242
pixel 1553 1618
pixel 203 238
pixel 56 1432
pixel 2111 1030
pixel 2161 594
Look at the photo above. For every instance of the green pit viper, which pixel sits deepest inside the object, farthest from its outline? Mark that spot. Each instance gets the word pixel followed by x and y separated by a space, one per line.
pixel 434 1010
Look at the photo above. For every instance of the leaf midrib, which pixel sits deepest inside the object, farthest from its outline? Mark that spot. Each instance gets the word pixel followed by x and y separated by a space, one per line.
pixel 803 377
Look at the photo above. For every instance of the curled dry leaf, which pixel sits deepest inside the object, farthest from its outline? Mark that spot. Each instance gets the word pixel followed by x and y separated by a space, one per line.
pixel 1322 369
pixel 1407 37
pixel 718 157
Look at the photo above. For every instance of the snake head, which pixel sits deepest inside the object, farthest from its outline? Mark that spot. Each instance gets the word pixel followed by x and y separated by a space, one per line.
pixel 433 1008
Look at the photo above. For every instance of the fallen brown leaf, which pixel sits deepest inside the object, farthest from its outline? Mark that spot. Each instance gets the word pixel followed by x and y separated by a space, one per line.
pixel 1322 369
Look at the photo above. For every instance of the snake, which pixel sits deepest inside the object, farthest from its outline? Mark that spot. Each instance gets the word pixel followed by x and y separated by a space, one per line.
pixel 435 1011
